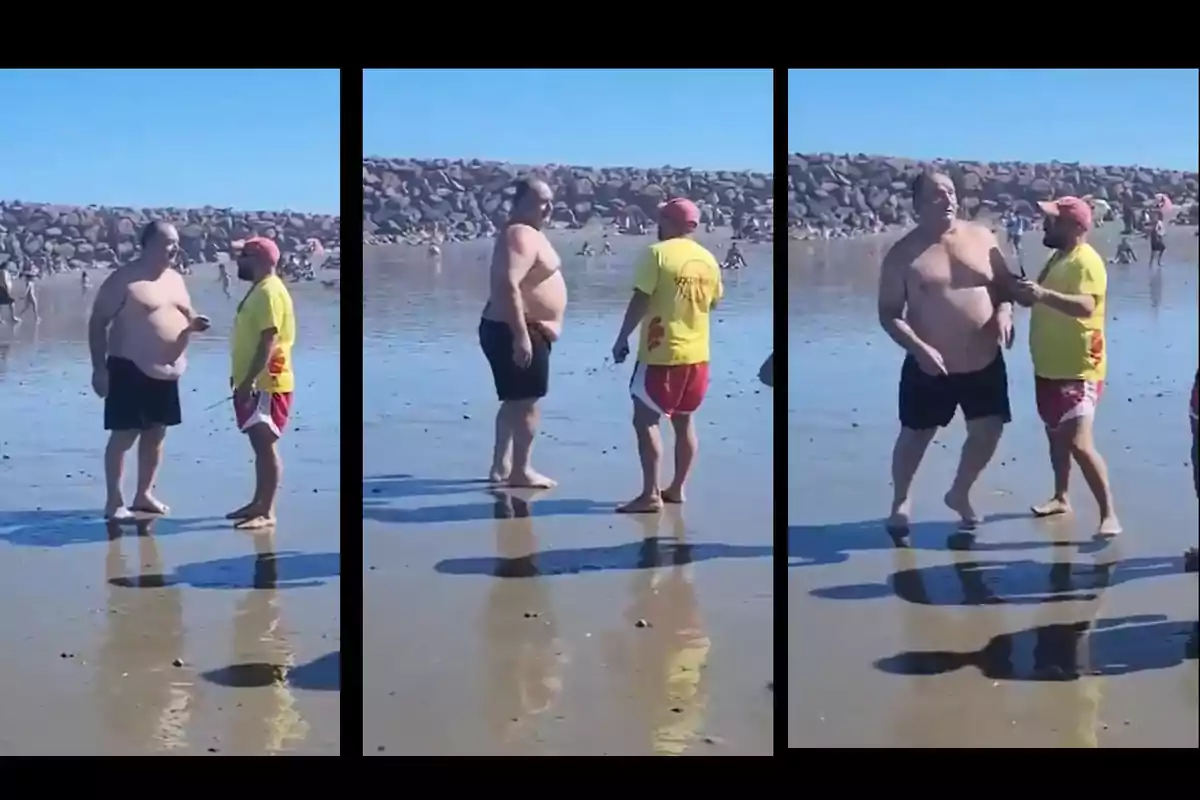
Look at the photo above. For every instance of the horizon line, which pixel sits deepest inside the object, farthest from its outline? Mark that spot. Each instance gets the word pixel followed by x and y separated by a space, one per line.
pixel 562 164
pixel 988 160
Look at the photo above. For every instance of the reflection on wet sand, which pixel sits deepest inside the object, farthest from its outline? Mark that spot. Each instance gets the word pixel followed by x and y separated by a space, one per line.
pixel 659 655
pixel 146 693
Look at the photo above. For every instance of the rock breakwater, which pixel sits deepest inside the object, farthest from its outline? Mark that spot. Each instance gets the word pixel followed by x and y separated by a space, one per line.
pixel 849 193
pixel 407 200
pixel 83 236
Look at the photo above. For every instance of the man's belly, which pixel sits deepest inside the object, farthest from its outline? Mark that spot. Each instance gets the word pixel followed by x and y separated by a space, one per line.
pixel 961 326
pixel 153 344
pixel 547 302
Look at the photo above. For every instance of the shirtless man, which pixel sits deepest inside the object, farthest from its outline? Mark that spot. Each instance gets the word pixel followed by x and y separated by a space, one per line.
pixel 7 297
pixel 31 303
pixel 521 321
pixel 939 299
pixel 141 322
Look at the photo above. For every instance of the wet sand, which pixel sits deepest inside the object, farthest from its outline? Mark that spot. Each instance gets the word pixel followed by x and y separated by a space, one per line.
pixel 1030 634
pixel 543 623
pixel 182 636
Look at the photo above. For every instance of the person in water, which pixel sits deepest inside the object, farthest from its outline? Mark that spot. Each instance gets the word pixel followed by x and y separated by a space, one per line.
pixel 1125 253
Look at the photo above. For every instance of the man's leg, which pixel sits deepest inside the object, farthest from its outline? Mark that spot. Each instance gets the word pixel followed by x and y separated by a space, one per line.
pixel 118 445
pixel 268 470
pixel 983 435
pixel 686 446
pixel 502 450
pixel 1060 464
pixel 649 442
pixel 1077 434
pixel 523 418
pixel 150 453
pixel 907 453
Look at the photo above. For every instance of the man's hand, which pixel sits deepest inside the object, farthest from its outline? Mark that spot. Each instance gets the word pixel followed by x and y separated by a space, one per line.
pixel 620 351
pixel 242 394
pixel 930 361
pixel 1004 324
pixel 199 324
pixel 1026 292
pixel 100 382
pixel 522 351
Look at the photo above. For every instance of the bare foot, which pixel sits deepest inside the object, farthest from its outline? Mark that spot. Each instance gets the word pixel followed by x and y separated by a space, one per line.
pixel 149 504
pixel 1109 526
pixel 961 504
pixel 256 522
pixel 530 479
pixel 117 512
pixel 1052 507
pixel 673 495
pixel 497 476
pixel 245 512
pixel 642 504
pixel 897 523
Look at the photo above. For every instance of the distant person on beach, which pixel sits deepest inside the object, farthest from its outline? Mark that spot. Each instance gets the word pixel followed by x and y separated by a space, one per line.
pixel 31 303
pixel 264 332
pixel 1158 242
pixel 608 248
pixel 223 277
pixel 941 299
pixel 676 285
pixel 142 320
pixel 734 258
pixel 7 298
pixel 1015 228
pixel 1125 253
pixel 1070 355
pixel 85 281
pixel 520 323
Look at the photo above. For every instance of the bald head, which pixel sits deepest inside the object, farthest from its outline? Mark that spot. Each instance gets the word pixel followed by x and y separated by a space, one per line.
pixel 533 201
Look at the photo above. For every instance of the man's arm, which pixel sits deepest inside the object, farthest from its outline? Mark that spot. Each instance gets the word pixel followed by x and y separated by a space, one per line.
pixel 1088 283
pixel 521 253
pixel 893 300
pixel 109 298
pixel 1073 305
pixel 645 280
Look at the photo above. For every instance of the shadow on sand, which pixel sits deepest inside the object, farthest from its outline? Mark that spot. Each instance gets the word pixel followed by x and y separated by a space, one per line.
pixel 322 675
pixel 378 490
pixel 61 528
pixel 822 545
pixel 1065 651
pixel 291 570
pixel 650 552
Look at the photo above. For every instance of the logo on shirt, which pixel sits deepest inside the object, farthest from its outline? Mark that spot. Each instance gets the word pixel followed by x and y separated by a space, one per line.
pixel 276 364
pixel 655 333
pixel 694 283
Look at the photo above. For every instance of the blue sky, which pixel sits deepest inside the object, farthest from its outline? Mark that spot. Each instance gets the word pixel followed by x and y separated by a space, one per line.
pixel 1114 117
pixel 249 139
pixel 708 119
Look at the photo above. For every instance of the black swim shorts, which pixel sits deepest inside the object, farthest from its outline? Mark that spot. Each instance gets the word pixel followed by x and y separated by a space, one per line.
pixel 513 382
pixel 137 402
pixel 929 401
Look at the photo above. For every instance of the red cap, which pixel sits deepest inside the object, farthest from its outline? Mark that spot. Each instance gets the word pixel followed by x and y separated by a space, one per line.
pixel 263 247
pixel 681 211
pixel 1072 208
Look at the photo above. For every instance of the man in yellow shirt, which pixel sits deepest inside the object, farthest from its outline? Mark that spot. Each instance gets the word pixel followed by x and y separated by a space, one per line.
pixel 262 379
pixel 676 286
pixel 1070 357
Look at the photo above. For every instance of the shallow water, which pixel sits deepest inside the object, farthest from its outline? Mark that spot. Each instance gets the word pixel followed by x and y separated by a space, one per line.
pixel 507 622
pixel 1031 635
pixel 184 636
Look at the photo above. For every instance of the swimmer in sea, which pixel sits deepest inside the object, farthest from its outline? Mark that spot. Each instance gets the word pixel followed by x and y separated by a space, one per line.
pixel 734 258
pixel 586 250
pixel 434 251
pixel 607 249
